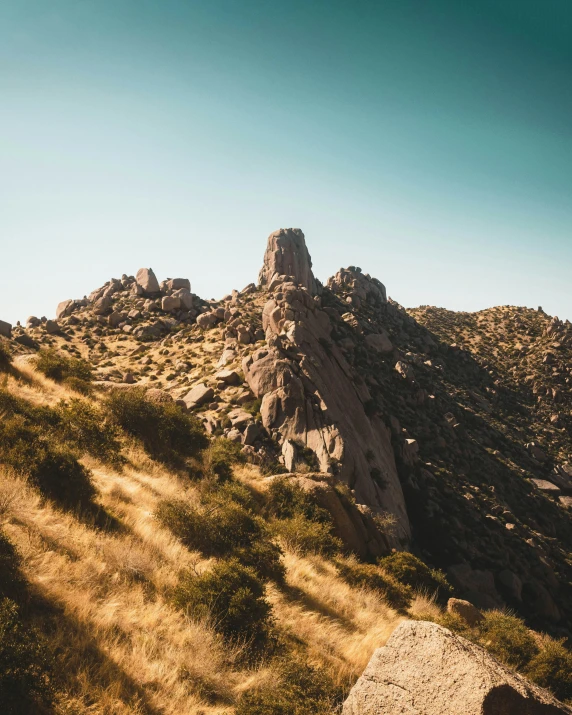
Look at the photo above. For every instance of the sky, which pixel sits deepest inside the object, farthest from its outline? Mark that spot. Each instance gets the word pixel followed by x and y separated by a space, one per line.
pixel 427 141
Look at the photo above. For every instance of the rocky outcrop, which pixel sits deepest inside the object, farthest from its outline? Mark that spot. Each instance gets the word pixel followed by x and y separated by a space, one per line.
pixel 424 669
pixel 287 255
pixel 357 287
pixel 355 524
pixel 147 280
pixel 5 329
pixel 313 403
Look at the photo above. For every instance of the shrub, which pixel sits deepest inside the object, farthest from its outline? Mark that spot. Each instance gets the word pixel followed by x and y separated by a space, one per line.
pixel 297 689
pixel 53 470
pixel 215 530
pixel 411 571
pixel 307 537
pixel 232 596
pixel 552 668
pixel 168 434
pixel 286 499
pixel 25 665
pixel 397 595
pixel 86 427
pixel 220 457
pixel 507 638
pixel 59 367
pixel 265 557
pixel 84 387
pixel 59 476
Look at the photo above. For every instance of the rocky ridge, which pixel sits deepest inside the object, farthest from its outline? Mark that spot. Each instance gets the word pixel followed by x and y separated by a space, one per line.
pixel 453 442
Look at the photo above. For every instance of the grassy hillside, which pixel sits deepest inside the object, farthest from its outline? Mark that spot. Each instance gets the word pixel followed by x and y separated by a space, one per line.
pixel 155 571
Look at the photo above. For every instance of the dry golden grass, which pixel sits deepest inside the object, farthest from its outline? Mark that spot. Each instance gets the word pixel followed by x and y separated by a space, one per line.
pixel 122 647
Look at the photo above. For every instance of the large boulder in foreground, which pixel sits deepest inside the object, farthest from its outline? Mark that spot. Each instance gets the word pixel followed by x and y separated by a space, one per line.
pixel 287 255
pixel 424 669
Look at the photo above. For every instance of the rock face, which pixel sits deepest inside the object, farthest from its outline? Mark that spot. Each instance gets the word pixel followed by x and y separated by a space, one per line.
pixel 287 255
pixel 313 404
pixel 424 669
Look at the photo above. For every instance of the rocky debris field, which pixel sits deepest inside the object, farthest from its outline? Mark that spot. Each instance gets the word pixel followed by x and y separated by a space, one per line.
pixel 451 430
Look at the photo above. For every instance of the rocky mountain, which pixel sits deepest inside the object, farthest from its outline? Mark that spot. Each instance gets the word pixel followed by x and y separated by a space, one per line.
pixel 451 432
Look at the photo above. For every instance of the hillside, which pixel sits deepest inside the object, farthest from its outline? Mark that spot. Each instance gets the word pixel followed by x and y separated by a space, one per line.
pixel 227 506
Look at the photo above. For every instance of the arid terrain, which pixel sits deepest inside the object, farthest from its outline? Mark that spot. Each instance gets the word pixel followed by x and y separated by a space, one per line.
pixel 228 506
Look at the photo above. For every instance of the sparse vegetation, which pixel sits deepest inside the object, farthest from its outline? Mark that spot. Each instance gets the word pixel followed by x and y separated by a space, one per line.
pixel 411 571
pixel 167 433
pixel 297 688
pixel 232 597
pixel 63 368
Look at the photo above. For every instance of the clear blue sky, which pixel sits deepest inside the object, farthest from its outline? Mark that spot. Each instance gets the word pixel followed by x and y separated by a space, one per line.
pixel 428 141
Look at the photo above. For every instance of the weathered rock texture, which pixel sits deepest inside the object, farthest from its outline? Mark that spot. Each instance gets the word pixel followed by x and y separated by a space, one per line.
pixel 312 400
pixel 424 669
pixel 287 255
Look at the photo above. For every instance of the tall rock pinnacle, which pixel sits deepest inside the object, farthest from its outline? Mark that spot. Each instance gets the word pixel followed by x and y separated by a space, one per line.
pixel 286 255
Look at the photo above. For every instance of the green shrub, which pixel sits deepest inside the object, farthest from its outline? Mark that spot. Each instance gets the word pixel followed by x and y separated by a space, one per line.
pixel 411 571
pixel 397 595
pixel 507 638
pixel 307 537
pixel 296 689
pixel 168 434
pixel 59 367
pixel 286 499
pixel 84 387
pixel 53 470
pixel 222 527
pixel 232 596
pixel 215 530
pixel 551 668
pixel 265 558
pixel 25 666
pixel 220 457
pixel 85 426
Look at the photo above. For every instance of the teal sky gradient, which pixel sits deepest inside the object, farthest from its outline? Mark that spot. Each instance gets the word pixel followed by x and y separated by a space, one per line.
pixel 428 141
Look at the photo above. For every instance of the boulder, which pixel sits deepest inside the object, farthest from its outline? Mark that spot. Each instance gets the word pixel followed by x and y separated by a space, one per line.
pixel 465 610
pixel 230 377
pixel 102 306
pixel 52 327
pixel 198 395
pixel 178 283
pixel 186 298
pixel 64 308
pixel 5 329
pixel 206 320
pixel 379 342
pixel 287 255
pixel 33 322
pixel 424 669
pixel 147 280
pixel 170 303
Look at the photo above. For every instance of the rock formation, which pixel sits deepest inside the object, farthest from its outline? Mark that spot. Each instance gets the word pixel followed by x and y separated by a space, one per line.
pixel 424 669
pixel 287 255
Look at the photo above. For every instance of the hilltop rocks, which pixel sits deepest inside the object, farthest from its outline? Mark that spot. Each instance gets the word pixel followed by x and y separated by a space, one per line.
pixel 286 255
pixel 358 287
pixel 147 281
pixel 424 669
pixel 5 329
